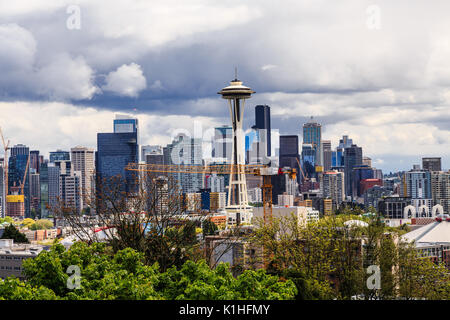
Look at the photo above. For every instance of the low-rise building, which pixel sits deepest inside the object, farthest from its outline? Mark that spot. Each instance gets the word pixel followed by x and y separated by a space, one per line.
pixel 12 256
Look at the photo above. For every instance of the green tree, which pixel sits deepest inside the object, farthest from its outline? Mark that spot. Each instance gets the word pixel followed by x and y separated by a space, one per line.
pixel 11 232
pixel 209 227
pixel 42 224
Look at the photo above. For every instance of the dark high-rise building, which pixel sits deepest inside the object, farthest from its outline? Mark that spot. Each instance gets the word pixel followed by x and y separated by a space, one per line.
pixel 43 172
pixel 114 152
pixel 34 161
pixel 262 121
pixel 289 156
pixel 59 155
pixel 352 158
pixel 309 160
pixel 431 164
pixel 16 172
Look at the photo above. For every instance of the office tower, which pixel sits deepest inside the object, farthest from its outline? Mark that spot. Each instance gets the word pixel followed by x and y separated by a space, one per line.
pixel 54 171
pixel 431 164
pixel 114 152
pixel 262 122
pixel 70 190
pixel 125 124
pixel 332 186
pixel 312 134
pixel 352 158
pixel 150 149
pixel 43 172
pixel 288 155
pixel 18 160
pixel 309 160
pixel 327 155
pixel 367 161
pixel 440 189
pixel 35 194
pixel 34 161
pixel 186 151
pixel 83 160
pixel 222 144
pixel 59 155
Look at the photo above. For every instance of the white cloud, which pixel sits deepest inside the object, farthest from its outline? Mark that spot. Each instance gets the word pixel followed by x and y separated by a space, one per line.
pixel 127 80
pixel 66 78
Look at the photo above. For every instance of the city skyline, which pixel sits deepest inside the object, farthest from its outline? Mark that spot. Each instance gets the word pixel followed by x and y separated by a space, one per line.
pixel 379 86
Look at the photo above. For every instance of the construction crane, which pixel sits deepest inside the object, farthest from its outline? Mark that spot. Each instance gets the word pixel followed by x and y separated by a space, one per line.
pixel 305 178
pixel 22 184
pixel 5 167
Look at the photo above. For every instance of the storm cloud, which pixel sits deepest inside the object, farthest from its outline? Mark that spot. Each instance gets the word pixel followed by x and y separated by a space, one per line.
pixel 384 85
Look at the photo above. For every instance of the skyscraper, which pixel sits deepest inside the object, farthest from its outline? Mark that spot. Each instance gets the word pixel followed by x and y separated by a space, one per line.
pixel 34 160
pixel 55 170
pixel 332 186
pixel 312 134
pixel 35 193
pixel 16 173
pixel 289 156
pixel 83 161
pixel 440 189
pixel 352 158
pixel 43 172
pixel 187 151
pixel 114 152
pixel 327 155
pixel 262 122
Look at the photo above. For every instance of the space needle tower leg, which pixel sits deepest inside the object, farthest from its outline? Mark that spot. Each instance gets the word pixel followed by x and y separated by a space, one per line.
pixel 237 202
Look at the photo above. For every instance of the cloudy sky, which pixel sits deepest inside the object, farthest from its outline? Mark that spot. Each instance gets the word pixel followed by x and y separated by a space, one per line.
pixel 378 71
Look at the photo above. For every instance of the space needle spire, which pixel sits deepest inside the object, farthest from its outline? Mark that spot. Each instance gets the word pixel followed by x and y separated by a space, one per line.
pixel 237 203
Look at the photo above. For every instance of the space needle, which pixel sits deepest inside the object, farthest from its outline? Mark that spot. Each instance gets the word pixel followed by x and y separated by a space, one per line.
pixel 237 203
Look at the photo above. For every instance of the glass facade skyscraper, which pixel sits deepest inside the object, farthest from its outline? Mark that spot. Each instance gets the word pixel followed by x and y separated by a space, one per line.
pixel 114 152
pixel 262 122
pixel 16 172
pixel 312 134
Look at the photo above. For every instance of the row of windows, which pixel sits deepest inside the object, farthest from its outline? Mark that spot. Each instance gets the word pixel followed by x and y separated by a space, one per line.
pixel 11 258
pixel 9 268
